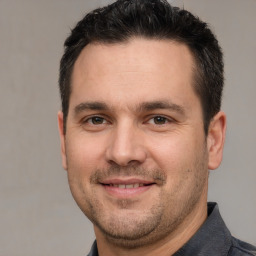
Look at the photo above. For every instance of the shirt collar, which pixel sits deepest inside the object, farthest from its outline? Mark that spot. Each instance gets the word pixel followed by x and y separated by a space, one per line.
pixel 94 250
pixel 213 238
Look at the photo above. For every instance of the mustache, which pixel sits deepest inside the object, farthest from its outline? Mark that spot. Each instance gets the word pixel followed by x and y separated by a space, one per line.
pixel 99 175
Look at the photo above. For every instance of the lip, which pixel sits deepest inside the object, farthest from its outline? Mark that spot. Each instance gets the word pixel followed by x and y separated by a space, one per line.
pixel 127 181
pixel 115 187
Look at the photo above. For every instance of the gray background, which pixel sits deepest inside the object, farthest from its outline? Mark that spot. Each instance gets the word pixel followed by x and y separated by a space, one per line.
pixel 38 214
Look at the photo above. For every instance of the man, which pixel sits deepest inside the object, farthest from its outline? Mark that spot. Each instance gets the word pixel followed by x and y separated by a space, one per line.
pixel 141 85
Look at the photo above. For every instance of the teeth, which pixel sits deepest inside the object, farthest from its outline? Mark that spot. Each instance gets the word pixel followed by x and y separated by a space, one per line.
pixel 136 185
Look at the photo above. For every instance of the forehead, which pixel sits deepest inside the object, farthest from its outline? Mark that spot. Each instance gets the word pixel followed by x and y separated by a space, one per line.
pixel 141 53
pixel 134 70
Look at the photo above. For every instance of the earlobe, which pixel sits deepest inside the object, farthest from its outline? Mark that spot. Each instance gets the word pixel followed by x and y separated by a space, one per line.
pixel 216 139
pixel 62 140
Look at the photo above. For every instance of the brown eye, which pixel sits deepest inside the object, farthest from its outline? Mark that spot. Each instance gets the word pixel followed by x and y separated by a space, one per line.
pixel 96 120
pixel 159 120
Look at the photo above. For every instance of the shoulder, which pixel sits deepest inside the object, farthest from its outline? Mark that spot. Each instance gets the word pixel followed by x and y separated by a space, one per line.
pixel 240 248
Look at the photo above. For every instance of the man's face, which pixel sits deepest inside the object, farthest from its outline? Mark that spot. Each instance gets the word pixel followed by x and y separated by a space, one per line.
pixel 135 149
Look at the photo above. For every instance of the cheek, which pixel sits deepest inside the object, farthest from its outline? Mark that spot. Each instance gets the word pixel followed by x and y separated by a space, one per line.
pixel 170 153
pixel 181 158
pixel 83 155
pixel 82 160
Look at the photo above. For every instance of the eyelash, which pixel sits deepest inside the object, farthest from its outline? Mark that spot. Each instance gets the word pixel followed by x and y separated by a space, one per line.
pixel 90 120
pixel 164 119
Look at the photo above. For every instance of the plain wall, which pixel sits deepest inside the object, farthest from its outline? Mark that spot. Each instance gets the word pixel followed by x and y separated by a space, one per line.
pixel 38 215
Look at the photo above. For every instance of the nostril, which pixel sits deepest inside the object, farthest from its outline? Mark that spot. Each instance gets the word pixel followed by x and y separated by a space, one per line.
pixel 124 165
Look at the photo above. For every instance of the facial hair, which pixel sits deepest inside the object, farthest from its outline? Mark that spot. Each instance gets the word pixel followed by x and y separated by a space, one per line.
pixel 131 229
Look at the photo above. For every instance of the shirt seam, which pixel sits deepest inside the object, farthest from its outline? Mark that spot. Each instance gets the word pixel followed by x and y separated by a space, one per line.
pixel 242 250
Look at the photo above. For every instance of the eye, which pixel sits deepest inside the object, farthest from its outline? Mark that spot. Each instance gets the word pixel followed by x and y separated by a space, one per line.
pixel 95 123
pixel 158 120
pixel 96 120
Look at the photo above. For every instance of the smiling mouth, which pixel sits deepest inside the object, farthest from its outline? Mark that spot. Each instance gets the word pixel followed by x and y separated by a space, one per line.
pixel 126 189
pixel 128 186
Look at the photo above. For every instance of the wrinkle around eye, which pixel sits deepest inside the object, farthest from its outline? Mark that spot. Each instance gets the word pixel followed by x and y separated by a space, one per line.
pixel 160 120
pixel 161 123
pixel 94 123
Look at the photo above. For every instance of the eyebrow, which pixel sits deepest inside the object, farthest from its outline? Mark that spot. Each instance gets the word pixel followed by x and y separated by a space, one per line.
pixel 149 106
pixel 90 106
pixel 145 106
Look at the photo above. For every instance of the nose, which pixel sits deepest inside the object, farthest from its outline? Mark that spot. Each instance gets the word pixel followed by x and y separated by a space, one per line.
pixel 126 146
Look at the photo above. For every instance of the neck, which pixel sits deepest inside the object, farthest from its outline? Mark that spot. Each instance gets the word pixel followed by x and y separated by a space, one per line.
pixel 167 246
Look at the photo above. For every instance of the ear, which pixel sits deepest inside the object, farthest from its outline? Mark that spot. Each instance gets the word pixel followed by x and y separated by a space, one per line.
pixel 216 139
pixel 62 140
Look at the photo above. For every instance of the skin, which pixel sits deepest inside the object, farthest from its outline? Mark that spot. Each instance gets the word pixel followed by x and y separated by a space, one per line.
pixel 135 118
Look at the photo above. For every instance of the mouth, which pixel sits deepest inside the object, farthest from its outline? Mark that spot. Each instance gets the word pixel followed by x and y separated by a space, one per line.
pixel 126 188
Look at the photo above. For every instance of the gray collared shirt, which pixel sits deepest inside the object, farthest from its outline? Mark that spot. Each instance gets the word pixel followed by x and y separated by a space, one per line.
pixel 212 239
